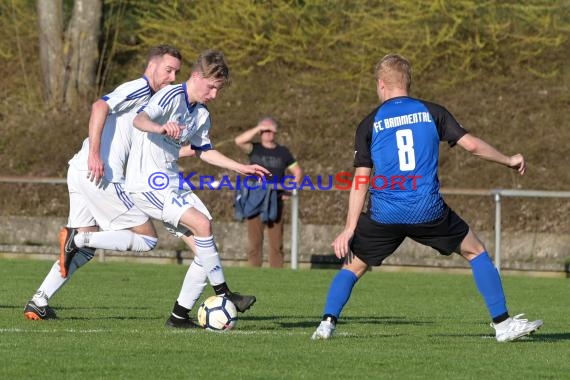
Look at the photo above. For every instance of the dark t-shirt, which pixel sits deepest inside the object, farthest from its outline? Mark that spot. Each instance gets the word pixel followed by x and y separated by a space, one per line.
pixel 276 160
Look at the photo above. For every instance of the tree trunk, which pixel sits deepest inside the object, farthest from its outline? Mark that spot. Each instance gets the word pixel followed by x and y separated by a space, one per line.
pixel 82 53
pixel 69 62
pixel 50 20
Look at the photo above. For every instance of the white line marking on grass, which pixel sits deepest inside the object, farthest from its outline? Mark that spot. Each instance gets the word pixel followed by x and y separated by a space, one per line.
pixel 241 332
pixel 98 331
pixel 74 331
pixel 277 332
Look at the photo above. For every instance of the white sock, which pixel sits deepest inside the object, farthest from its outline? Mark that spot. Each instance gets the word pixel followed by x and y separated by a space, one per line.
pixel 50 285
pixel 193 285
pixel 53 281
pixel 123 240
pixel 210 259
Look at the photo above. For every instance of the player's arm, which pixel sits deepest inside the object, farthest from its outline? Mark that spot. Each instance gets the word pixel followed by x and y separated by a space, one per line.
pixel 363 164
pixel 186 151
pixel 99 111
pixel 356 201
pixel 451 131
pixel 213 157
pixel 484 150
pixel 144 123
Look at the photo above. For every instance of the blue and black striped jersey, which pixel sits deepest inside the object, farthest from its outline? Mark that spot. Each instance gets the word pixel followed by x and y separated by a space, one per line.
pixel 400 140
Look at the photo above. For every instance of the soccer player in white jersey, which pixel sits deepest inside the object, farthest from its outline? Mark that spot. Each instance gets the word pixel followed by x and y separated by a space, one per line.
pixel 101 214
pixel 176 123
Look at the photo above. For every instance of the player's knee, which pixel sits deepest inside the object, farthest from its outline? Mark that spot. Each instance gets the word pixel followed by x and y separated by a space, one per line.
pixel 472 250
pixel 146 229
pixel 356 266
pixel 197 222
pixel 471 246
pixel 202 228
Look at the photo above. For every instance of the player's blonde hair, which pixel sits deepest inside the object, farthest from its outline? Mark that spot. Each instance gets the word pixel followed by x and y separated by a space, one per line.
pixel 395 71
pixel 212 64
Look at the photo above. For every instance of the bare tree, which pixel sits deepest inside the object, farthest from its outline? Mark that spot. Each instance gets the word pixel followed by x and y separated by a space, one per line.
pixel 50 21
pixel 69 59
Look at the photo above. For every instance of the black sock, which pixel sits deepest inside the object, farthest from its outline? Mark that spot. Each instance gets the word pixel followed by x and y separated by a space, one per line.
pixel 501 318
pixel 221 289
pixel 180 311
pixel 330 318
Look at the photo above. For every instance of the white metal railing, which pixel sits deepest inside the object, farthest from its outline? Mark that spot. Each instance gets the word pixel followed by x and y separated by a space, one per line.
pixel 35 180
pixel 497 195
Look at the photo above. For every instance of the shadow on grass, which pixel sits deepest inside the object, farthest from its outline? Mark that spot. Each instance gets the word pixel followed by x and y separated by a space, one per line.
pixel 12 306
pixel 111 317
pixel 555 337
pixel 56 308
pixel 302 322
pixel 69 310
pixel 535 337
pixel 118 307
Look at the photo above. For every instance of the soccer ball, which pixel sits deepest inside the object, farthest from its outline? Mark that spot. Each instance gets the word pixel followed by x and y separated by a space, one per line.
pixel 217 313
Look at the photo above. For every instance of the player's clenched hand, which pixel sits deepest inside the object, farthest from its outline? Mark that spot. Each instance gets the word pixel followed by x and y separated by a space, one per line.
pixel 517 162
pixel 172 129
pixel 340 244
pixel 96 168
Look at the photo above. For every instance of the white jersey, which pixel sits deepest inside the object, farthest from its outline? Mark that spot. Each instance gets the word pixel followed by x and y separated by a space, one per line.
pixel 153 153
pixel 123 103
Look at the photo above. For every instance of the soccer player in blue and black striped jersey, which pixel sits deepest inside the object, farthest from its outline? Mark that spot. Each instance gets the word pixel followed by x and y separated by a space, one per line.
pixel 396 152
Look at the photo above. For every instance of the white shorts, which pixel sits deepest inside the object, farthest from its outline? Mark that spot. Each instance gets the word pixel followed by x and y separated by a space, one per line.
pixel 105 205
pixel 169 205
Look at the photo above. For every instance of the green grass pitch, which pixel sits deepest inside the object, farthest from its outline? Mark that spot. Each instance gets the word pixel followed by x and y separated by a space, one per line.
pixel 397 325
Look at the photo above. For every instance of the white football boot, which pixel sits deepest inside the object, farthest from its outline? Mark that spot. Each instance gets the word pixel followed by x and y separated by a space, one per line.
pixel 324 331
pixel 515 328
